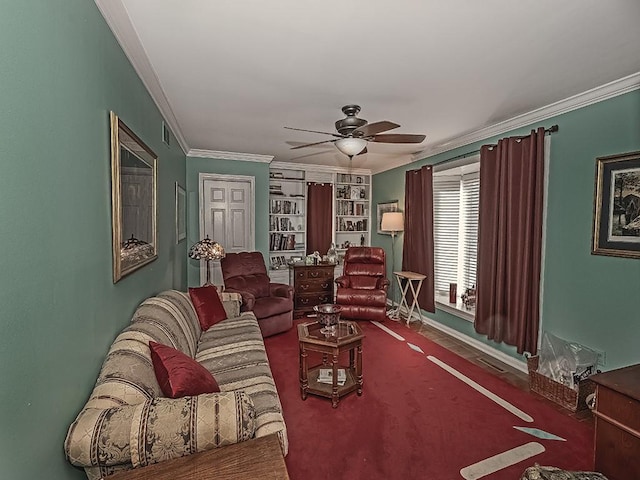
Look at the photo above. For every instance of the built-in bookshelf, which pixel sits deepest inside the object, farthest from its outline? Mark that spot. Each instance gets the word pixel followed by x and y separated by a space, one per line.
pixel 287 216
pixel 352 210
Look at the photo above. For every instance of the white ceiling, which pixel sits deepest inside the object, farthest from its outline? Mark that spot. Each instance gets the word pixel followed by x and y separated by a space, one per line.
pixel 228 75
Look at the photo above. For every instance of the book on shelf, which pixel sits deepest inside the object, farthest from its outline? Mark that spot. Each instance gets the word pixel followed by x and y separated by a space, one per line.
pixel 325 375
pixel 290 242
pixel 288 207
pixel 279 241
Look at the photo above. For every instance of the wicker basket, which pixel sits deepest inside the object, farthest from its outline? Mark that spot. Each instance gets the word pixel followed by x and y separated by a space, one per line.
pixel 557 392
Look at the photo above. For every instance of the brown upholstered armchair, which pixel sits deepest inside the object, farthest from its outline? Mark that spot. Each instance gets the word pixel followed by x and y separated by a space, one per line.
pixel 272 303
pixel 362 289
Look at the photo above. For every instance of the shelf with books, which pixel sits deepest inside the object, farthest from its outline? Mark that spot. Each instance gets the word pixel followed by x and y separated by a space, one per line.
pixel 352 208
pixel 350 191
pixel 352 224
pixel 287 215
pixel 348 178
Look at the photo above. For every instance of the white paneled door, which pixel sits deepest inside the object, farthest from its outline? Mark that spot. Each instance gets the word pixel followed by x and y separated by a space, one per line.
pixel 227 216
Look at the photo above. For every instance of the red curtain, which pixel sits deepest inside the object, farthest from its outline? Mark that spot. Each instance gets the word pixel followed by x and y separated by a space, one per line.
pixel 510 241
pixel 417 249
pixel 319 217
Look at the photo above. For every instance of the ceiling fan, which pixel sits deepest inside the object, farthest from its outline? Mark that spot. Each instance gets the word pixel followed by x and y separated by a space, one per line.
pixel 353 133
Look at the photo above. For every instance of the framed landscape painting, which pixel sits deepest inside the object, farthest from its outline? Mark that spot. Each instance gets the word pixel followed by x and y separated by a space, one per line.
pixel 616 219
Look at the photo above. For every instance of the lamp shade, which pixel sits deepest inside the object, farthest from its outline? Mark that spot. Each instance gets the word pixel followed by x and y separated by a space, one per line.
pixel 392 222
pixel 206 249
pixel 351 146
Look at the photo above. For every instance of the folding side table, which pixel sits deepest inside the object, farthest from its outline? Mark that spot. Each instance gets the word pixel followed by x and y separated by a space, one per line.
pixel 412 281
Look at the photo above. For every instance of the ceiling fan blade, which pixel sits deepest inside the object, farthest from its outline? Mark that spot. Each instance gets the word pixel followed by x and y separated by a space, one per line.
pixel 398 138
pixel 314 131
pixel 374 128
pixel 312 144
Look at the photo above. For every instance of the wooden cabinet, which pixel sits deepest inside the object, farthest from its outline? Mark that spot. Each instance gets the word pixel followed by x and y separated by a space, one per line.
pixel 312 285
pixel 617 432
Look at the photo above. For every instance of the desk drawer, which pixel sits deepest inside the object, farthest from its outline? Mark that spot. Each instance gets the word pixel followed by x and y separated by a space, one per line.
pixel 308 300
pixel 620 407
pixel 308 286
pixel 314 273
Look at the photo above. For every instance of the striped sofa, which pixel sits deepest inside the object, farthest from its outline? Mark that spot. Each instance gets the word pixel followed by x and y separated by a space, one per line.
pixel 127 423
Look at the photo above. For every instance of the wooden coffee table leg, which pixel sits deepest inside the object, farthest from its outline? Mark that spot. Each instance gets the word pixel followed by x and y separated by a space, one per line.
pixel 304 380
pixel 359 370
pixel 334 391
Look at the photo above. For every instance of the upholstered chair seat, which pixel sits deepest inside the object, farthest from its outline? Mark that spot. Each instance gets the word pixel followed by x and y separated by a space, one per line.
pixel 362 289
pixel 272 303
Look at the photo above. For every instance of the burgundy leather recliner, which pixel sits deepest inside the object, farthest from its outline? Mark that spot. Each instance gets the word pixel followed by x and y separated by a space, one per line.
pixel 362 289
pixel 272 303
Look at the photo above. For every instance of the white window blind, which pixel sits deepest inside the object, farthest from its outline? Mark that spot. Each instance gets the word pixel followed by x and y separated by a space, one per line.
pixel 456 199
pixel 446 219
pixel 469 224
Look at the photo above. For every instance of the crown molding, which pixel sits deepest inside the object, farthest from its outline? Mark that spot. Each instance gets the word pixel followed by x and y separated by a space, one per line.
pixel 320 168
pixel 396 163
pixel 595 95
pixel 220 155
pixel 118 20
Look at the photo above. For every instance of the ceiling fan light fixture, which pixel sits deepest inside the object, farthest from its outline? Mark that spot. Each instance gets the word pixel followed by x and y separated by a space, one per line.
pixel 351 146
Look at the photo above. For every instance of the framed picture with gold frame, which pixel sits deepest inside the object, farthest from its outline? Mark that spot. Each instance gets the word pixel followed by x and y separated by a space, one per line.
pixel 616 217
pixel 133 200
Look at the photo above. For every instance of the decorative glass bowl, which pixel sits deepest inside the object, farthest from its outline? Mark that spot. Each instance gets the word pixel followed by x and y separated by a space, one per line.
pixel 328 317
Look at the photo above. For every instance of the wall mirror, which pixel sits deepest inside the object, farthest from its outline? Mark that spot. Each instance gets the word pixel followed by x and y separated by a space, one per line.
pixel 133 200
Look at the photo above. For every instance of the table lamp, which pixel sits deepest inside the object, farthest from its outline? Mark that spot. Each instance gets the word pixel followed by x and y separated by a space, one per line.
pixel 393 222
pixel 207 250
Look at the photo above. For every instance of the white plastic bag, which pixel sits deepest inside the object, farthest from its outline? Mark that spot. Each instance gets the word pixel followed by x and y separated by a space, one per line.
pixel 566 362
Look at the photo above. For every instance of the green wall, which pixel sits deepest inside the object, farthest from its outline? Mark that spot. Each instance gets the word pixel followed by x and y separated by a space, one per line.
pixel 258 170
pixel 61 72
pixel 587 298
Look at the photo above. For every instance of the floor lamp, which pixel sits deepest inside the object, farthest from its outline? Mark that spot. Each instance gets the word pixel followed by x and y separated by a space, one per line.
pixel 393 222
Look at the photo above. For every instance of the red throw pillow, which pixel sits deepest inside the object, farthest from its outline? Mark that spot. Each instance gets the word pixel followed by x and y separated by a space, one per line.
pixel 208 306
pixel 178 374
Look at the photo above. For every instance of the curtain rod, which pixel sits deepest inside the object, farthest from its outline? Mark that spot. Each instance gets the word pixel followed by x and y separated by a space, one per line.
pixel 551 129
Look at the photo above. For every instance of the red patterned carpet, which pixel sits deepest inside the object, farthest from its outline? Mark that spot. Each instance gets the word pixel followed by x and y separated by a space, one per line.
pixel 417 420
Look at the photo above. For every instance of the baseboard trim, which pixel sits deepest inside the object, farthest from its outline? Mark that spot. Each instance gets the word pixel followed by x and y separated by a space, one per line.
pixel 497 354
pixel 472 342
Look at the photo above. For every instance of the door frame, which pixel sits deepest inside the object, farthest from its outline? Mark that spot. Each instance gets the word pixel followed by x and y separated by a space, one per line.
pixel 202 179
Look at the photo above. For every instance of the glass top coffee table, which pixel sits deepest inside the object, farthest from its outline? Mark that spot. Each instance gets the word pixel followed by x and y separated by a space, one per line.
pixel 320 370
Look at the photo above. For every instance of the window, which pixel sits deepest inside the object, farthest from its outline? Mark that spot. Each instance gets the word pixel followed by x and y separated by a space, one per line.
pixel 456 195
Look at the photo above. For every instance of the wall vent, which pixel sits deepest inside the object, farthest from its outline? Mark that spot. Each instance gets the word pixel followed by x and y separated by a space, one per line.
pixel 492 365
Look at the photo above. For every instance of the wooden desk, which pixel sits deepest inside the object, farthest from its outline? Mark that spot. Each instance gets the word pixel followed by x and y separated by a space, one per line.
pixel 414 281
pixel 617 435
pixel 258 458
pixel 312 285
